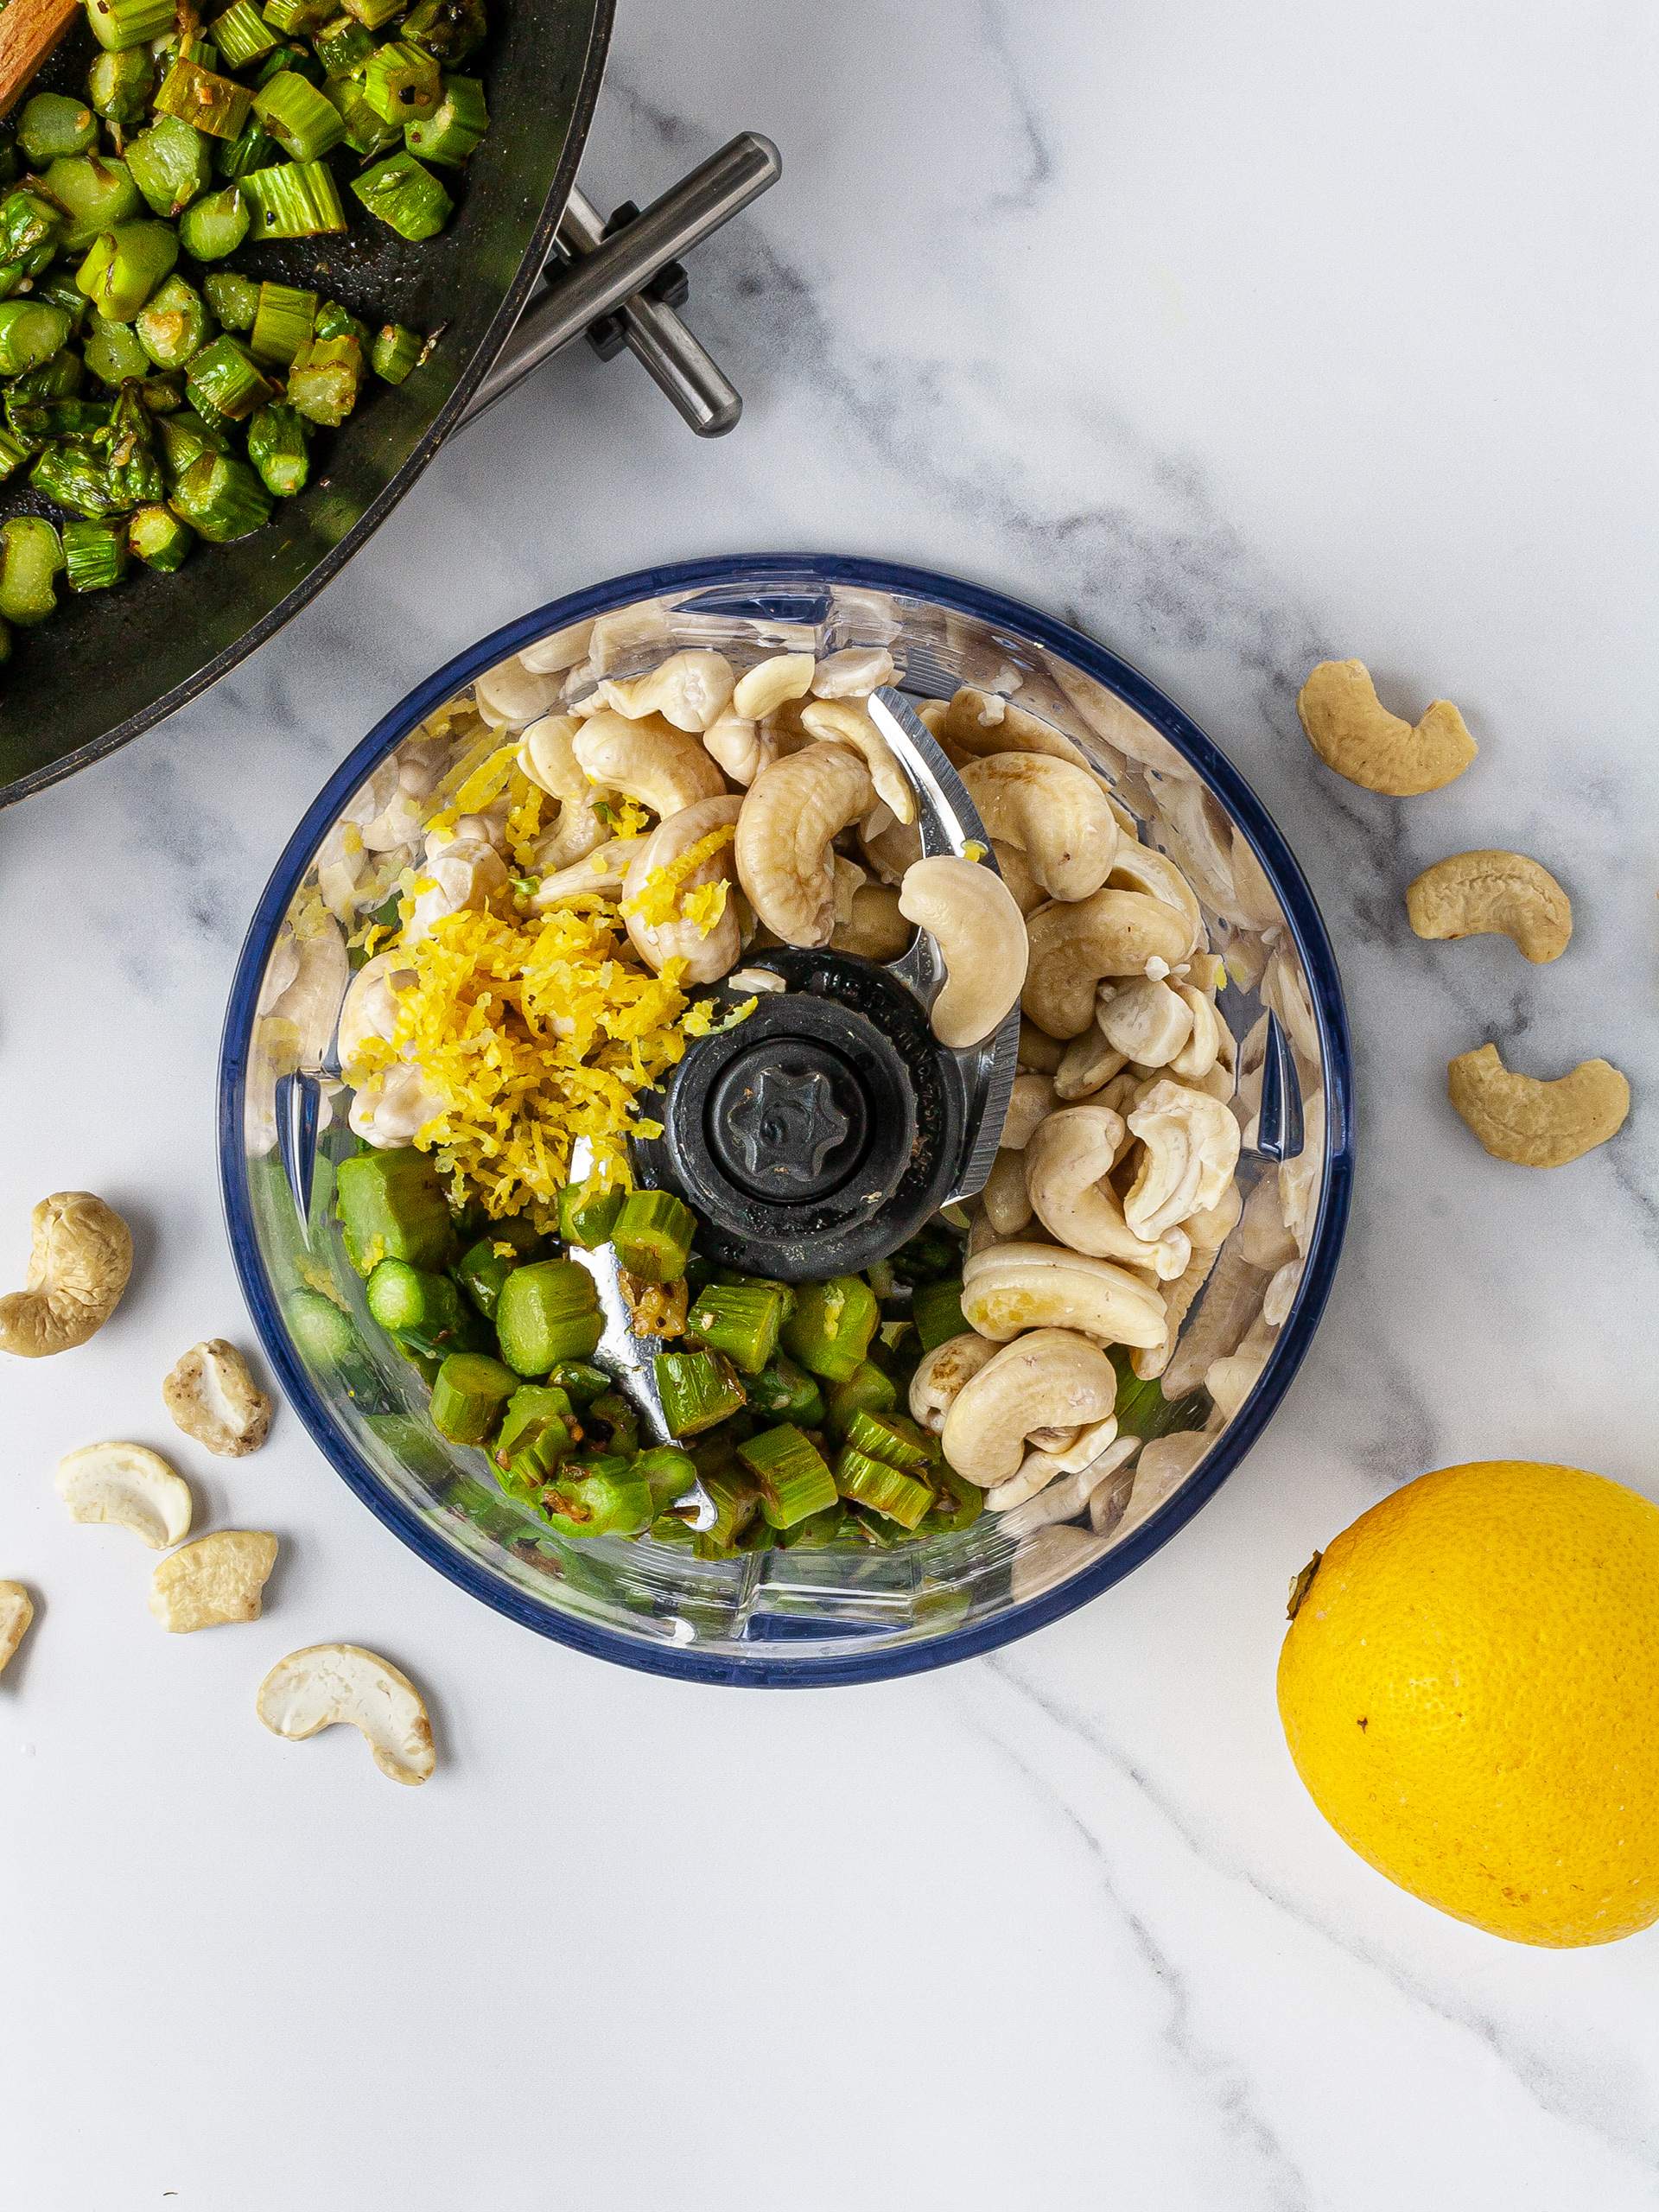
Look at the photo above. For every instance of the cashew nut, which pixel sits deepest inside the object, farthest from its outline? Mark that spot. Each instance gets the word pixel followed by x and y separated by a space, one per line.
pixel 1051 812
pixel 580 830
pixel 512 694
pixel 1200 839
pixel 1029 895
pixel 1074 944
pixel 126 1483
pixel 369 1008
pixel 1208 1229
pixel 1284 988
pixel 1138 868
pixel 854 672
pixel 1299 1179
pixel 81 1256
pixel 549 655
pixel 1264 1240
pixel 1191 1148
pixel 971 916
pixel 1052 1555
pixel 942 1374
pixel 1049 1376
pixel 1231 1380
pixel 470 878
pixel 1115 722
pixel 891 851
pixel 214 1583
pixel 1090 1060
pixel 311 1002
pixel 1039 1468
pixel 211 1396
pixel 979 723
pixel 765 687
pixel 844 722
pixel 1040 1052
pixel 1148 1023
pixel 16 1611
pixel 311 1689
pixel 1199 1056
pixel 1030 1101
pixel 708 956
pixel 1063 1496
pixel 547 757
pixel 399 824
pixel 1015 1287
pixel 1067 1162
pixel 1005 1198
pixel 1281 1293
pixel 1164 1466
pixel 1353 733
pixel 742 748
pixel 660 766
pixel 793 813
pixel 689 690
pixel 1232 1299
pixel 1537 1124
pixel 876 930
pixel 1149 1361
pixel 1491 893
pixel 393 1107
pixel 281 969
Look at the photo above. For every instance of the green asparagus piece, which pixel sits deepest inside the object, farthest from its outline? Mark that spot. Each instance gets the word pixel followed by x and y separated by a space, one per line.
pixel 741 1321
pixel 415 1302
pixel 392 1207
pixel 653 1236
pixel 736 1500
pixel 448 30
pixel 125 265
pixel 242 34
pixel 818 1532
pixel 455 127
pixel 297 115
pixel 119 24
pixel 584 1383
pixel 224 377
pixel 366 134
pixel 29 333
pixel 184 438
pixel 613 1425
pixel 1142 1409
pixel 13 454
pixel 114 351
pixel 119 85
pixel 61 290
pixel 536 1412
pixel 294 199
pixel 53 123
pixel 786 1393
pixel 671 1474
pixel 927 1255
pixel 94 193
pixel 793 1479
pixel 74 475
pixel 159 539
pixel 371 14
pixel 173 326
pixel 31 558
pixel 866 1389
pixel 936 1309
pixel 883 1488
pixel 587 1216
pixel 324 379
pixel 253 147
pixel 606 1503
pixel 892 1439
pixel 468 1395
pixel 233 299
pixel 402 82
pixel 135 471
pixel 406 196
pixel 218 106
pixel 216 224
pixel 547 1312
pixel 956 1504
pixel 171 164
pixel 27 222
pixel 831 1329
pixel 283 324
pixel 697 1389
pixel 396 351
pixel 342 46
pixel 94 554
pixel 291 16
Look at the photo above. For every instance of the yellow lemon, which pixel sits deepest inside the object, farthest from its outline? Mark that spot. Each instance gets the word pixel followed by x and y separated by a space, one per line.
pixel 1470 1689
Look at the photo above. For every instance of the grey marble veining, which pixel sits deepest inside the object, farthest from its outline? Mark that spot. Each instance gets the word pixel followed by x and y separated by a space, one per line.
pixel 1238 337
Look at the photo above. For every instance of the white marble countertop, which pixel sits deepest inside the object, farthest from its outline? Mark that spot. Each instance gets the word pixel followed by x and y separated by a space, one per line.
pixel 1239 335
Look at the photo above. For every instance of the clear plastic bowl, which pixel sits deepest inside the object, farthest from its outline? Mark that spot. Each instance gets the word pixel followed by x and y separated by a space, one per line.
pixel 797 1618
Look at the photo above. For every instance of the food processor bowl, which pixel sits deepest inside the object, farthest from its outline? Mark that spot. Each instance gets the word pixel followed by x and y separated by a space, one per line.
pixel 784 1617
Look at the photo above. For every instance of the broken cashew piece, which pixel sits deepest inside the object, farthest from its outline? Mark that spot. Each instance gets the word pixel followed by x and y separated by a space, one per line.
pixel 943 1373
pixel 1012 1287
pixel 1537 1124
pixel 1049 1377
pixel 327 1682
pixel 1075 946
pixel 214 1583
pixel 211 1396
pixel 1055 814
pixel 79 1259
pixel 971 915
pixel 1192 1144
pixel 708 953
pixel 844 722
pixel 794 811
pixel 1148 1023
pixel 765 687
pixel 1497 895
pixel 689 690
pixel 129 1485
pixel 742 748
pixel 1088 1062
pixel 1067 1162
pixel 1353 733
pixel 16 1611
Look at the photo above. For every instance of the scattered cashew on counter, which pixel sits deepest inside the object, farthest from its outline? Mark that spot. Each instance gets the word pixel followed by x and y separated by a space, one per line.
pixel 214 1583
pixel 16 1611
pixel 1353 733
pixel 78 1265
pixel 1493 893
pixel 211 1396
pixel 328 1682
pixel 1537 1124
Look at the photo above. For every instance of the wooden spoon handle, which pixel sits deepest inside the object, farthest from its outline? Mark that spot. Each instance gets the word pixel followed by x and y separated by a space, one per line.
pixel 28 31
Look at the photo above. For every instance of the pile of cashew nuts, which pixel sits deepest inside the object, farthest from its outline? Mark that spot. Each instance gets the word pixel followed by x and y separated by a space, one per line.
pixel 1111 1210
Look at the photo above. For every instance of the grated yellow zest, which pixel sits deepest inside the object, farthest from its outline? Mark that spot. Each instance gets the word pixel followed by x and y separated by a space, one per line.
pixel 534 1033
pixel 705 907
pixel 488 781
pixel 656 899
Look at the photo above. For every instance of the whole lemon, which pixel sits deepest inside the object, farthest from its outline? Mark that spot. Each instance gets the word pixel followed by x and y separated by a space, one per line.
pixel 1470 1689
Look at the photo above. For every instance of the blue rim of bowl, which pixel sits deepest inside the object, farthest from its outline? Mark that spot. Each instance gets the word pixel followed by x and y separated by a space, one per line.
pixel 771 1666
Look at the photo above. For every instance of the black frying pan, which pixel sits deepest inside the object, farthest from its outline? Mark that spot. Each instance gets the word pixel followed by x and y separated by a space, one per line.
pixel 110 663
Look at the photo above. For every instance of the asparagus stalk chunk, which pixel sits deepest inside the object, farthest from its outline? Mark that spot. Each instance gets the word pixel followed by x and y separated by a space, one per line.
pixel 171 164
pixel 872 1483
pixel 119 85
pixel 397 349
pixel 606 1503
pixel 406 196
pixel 215 105
pixel 452 134
pixel 652 1236
pixel 135 471
pixel 547 1312
pixel 29 334
pixel 830 1331
pixel 159 539
pixel 785 1392
pixel 697 1389
pixel 233 299
pixel 794 1478
pixel 125 265
pixel 448 30
pixel 114 353
pixel 94 554
pixel 119 24
pixel 587 1216
pixel 173 326
pixel 297 115
pixel 93 195
pixel 342 46
pixel 242 34
pixel 392 1206
pixel 402 82
pixel 216 224
pixel 936 1308
pixel 742 1321
pixel 54 124
pixel 468 1395
pixel 31 557
pixel 294 199
pixel 866 1389
pixel 223 376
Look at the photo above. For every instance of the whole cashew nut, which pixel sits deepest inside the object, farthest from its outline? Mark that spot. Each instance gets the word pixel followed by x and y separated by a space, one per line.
pixel 1138 868
pixel 1061 1496
pixel 1074 944
pixel 580 831
pixel 79 1263
pixel 707 956
pixel 369 1008
pixel 942 1374
pixel 1537 1124
pixel 1051 812
pixel 547 758
pixel 1501 894
pixel 469 878
pixel 688 690
pixel 1017 1286
pixel 844 722
pixel 512 694
pixel 311 1689
pixel 742 748
pixel 660 766
pixel 601 873
pixel 1148 1023
pixel 1050 1377
pixel 765 687
pixel 1067 1162
pixel 1089 1061
pixel 970 914
pixel 794 811
pixel 1115 722
pixel 1005 1200
pixel 979 723
pixel 1353 733
pixel 1191 1148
